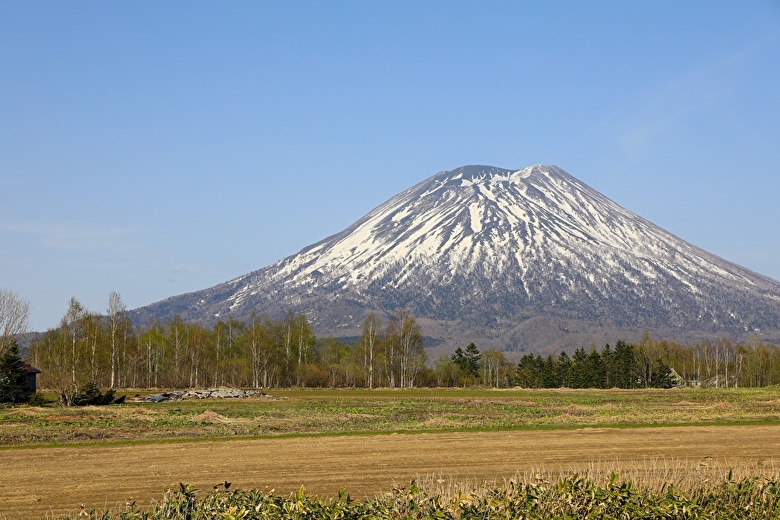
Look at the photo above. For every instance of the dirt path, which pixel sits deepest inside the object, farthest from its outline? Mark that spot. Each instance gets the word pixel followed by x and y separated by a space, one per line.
pixel 34 482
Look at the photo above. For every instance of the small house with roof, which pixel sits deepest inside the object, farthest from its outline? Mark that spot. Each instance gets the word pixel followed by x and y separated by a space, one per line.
pixel 30 380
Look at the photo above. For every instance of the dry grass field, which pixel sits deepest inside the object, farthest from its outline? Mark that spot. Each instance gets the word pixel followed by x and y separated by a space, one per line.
pixel 291 412
pixel 42 481
pixel 364 456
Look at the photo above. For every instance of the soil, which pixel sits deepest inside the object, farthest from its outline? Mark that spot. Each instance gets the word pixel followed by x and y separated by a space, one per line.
pixel 39 482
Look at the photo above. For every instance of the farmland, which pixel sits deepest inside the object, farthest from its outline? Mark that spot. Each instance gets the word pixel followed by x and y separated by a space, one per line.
pixel 338 412
pixel 55 459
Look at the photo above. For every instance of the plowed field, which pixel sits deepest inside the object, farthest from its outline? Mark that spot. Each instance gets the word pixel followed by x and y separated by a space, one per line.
pixel 35 482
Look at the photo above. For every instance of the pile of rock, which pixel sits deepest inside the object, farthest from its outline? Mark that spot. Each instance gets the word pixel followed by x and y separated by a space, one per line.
pixel 211 393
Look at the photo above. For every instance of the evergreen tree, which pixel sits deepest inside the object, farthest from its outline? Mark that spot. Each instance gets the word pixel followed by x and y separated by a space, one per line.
pixel 662 375
pixel 549 373
pixel 472 358
pixel 596 378
pixel 467 362
pixel 526 374
pixel 459 359
pixel 564 370
pixel 608 373
pixel 12 375
pixel 622 366
pixel 579 369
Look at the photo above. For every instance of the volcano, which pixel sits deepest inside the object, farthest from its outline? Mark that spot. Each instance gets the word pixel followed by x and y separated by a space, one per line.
pixel 517 260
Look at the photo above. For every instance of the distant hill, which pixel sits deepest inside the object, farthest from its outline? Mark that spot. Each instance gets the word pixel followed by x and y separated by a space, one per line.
pixel 519 260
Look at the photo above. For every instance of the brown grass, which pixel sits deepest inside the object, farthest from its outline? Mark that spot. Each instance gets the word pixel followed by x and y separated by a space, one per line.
pixel 59 479
pixel 210 417
pixel 45 479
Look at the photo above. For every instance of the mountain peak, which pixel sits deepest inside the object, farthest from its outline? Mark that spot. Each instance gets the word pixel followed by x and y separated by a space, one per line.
pixel 472 174
pixel 512 259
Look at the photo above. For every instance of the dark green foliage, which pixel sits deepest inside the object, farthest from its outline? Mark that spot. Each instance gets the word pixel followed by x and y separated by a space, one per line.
pixel 12 376
pixel 468 361
pixel 661 376
pixel 563 369
pixel 529 371
pixel 579 374
pixel 569 498
pixel 624 367
pixel 622 372
pixel 37 399
pixel 92 396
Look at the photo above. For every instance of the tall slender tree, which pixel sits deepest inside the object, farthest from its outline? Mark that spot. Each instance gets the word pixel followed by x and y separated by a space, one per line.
pixel 73 326
pixel 14 313
pixel 115 313
pixel 368 342
pixel 405 339
pixel 304 340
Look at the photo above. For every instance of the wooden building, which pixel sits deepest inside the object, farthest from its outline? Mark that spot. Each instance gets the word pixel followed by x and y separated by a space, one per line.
pixel 30 380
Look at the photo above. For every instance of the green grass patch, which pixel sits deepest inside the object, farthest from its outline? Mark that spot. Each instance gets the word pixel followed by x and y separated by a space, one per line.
pixel 349 412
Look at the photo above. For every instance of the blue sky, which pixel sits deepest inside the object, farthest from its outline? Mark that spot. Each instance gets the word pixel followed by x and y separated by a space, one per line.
pixel 157 148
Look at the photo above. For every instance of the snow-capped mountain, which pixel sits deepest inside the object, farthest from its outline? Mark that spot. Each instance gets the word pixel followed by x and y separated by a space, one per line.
pixel 531 259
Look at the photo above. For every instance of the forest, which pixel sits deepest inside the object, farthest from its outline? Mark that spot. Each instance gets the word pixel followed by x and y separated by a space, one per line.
pixel 108 351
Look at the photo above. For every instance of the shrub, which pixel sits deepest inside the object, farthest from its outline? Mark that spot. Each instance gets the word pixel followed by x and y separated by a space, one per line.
pixel 91 395
pixel 572 497
pixel 37 399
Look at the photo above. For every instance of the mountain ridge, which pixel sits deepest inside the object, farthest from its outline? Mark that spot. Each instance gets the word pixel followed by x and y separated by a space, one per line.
pixel 510 259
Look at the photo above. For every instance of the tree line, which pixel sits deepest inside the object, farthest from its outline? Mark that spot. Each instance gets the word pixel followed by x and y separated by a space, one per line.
pixel 625 366
pixel 108 351
pixel 710 363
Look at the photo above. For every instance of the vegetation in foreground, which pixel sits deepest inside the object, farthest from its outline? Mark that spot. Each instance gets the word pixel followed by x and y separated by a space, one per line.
pixel 571 497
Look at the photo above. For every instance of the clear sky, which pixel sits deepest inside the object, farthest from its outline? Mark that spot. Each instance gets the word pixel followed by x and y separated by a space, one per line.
pixel 158 148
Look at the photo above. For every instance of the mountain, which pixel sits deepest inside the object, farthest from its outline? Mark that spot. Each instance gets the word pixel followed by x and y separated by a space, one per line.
pixel 525 260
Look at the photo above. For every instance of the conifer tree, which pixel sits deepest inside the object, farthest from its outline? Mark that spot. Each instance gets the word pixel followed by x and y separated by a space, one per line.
pixel 12 375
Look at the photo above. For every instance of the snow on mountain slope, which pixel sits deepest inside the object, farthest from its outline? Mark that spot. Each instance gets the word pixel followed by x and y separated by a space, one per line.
pixel 479 251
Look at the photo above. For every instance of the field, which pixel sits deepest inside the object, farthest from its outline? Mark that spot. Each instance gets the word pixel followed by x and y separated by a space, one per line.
pixel 54 460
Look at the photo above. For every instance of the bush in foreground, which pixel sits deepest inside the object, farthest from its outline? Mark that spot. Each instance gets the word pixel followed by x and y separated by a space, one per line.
pixel 574 497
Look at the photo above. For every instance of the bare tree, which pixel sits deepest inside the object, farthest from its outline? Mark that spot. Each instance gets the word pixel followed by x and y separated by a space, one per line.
pixel 406 341
pixel 14 313
pixel 256 338
pixel 371 328
pixel 289 327
pixel 73 324
pixel 116 310
pixel 178 345
pixel 197 345
pixel 494 366
pixel 305 340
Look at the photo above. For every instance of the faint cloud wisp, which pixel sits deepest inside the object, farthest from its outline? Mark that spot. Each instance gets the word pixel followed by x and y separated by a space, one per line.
pixel 661 112
pixel 73 236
